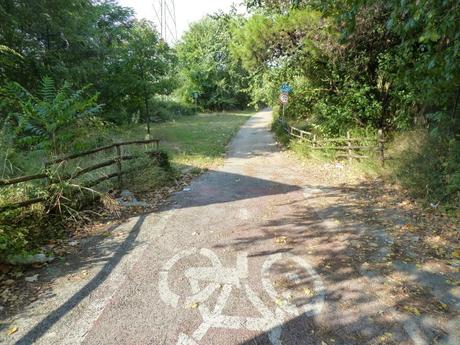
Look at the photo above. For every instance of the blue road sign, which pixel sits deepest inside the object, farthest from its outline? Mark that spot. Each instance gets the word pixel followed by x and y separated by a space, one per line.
pixel 286 88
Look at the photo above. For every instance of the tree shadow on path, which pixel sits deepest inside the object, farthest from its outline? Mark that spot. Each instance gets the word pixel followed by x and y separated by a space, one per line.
pixel 43 326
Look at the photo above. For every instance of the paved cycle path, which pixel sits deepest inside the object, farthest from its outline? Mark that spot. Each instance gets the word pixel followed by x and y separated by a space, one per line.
pixel 239 257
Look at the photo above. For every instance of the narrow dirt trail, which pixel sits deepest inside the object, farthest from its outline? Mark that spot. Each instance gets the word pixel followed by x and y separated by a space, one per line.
pixel 256 252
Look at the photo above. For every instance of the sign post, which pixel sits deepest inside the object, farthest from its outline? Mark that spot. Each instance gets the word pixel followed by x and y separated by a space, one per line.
pixel 284 99
pixel 285 90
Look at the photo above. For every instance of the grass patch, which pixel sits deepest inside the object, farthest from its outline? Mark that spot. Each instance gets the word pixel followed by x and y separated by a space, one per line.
pixel 428 166
pixel 199 141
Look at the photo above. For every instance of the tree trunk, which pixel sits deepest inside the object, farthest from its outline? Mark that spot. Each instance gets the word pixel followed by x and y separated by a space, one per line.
pixel 146 101
pixel 147 112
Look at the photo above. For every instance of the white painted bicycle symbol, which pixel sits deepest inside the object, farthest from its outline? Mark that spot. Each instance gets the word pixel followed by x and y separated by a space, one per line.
pixel 217 277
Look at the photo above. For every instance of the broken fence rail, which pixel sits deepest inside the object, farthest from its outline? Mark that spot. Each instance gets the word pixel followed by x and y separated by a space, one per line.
pixel 118 159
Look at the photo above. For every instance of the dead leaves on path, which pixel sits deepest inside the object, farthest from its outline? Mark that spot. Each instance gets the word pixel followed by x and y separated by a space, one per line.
pixel 11 330
pixel 397 231
pixel 412 310
pixel 419 234
pixel 281 240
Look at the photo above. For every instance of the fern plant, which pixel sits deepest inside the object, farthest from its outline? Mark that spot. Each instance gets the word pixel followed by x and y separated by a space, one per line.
pixel 46 119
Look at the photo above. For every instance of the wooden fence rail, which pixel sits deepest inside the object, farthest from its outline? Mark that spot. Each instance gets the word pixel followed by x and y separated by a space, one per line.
pixel 6 182
pixel 51 179
pixel 103 148
pixel 348 144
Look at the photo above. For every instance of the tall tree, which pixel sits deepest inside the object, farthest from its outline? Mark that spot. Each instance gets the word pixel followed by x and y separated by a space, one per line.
pixel 207 65
pixel 142 68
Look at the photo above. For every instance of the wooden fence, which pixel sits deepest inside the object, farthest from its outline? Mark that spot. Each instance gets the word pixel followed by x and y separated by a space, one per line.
pixel 348 147
pixel 52 178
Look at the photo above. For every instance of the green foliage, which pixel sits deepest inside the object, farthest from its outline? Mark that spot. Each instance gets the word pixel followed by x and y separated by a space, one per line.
pixel 143 67
pixel 364 65
pixel 276 5
pixel 131 71
pixel 279 48
pixel 207 66
pixel 45 121
pixel 9 59
pixel 427 165
pixel 65 39
pixel 428 57
pixel 354 107
pixel 160 158
pixel 22 231
pixel 190 142
pixel 85 42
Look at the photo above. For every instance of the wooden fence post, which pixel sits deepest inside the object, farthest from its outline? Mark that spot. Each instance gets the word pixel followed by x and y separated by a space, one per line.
pixel 47 173
pixel 119 167
pixel 350 151
pixel 381 143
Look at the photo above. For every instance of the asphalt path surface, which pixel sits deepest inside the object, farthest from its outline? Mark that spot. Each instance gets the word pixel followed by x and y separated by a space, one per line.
pixel 239 257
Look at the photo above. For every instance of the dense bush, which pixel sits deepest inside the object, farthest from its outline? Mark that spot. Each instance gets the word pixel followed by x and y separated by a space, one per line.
pixel 168 109
pixel 18 232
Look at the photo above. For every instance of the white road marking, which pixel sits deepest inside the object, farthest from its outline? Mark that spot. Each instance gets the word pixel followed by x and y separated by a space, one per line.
pixel 217 277
pixel 218 273
pixel 316 304
pixel 213 319
pixel 202 295
pixel 244 214
pixel 184 339
pixel 171 262
pixel 166 294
